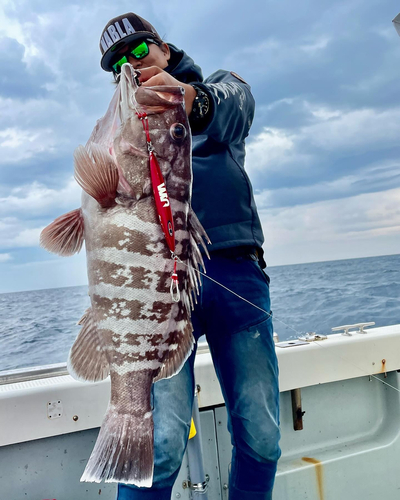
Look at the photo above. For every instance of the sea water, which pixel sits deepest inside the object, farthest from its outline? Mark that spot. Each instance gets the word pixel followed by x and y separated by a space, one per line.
pixel 38 327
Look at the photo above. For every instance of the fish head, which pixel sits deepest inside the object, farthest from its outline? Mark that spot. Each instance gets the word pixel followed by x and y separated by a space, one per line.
pixel 168 131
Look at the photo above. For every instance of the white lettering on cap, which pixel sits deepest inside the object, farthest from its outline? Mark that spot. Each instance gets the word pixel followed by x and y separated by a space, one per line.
pixel 128 26
pixel 122 34
pixel 106 41
pixel 103 44
pixel 113 33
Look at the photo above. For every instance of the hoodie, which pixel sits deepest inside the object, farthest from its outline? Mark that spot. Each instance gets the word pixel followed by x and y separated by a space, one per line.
pixel 222 193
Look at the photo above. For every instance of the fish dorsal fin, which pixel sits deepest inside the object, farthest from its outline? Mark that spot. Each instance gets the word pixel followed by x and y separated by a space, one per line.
pixel 64 236
pixel 97 173
pixel 87 361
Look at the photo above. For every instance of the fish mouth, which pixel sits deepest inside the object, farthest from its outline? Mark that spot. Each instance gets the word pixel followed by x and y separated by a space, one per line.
pixel 129 87
pixel 152 100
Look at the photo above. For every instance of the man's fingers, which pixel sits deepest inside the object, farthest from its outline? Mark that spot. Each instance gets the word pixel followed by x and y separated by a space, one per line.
pixel 147 73
pixel 155 80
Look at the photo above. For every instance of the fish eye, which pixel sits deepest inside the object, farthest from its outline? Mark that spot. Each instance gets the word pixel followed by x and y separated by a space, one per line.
pixel 177 131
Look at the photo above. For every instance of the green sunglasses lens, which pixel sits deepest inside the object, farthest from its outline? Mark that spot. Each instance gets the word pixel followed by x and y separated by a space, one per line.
pixel 117 66
pixel 137 52
pixel 140 51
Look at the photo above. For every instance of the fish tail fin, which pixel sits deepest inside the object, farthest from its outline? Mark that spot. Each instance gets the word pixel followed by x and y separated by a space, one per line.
pixel 124 448
pixel 123 451
pixel 65 235
pixel 97 173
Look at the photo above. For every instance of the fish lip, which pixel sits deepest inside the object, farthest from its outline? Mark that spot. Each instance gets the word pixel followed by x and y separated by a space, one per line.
pixel 127 81
pixel 129 73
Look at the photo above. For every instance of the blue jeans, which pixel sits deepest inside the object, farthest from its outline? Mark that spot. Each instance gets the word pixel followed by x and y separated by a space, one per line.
pixel 240 338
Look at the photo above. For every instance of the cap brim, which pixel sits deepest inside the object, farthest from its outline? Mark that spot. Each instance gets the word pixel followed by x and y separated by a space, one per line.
pixel 109 54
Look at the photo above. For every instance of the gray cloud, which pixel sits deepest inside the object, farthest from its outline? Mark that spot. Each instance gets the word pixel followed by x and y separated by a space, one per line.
pixel 18 80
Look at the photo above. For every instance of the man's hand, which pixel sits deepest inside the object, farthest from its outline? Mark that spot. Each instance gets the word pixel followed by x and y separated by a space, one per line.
pixel 152 76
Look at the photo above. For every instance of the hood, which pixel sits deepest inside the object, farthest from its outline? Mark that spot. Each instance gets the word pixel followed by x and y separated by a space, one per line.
pixel 182 67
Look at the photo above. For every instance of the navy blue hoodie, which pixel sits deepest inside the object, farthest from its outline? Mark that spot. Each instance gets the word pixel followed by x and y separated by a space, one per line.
pixel 222 193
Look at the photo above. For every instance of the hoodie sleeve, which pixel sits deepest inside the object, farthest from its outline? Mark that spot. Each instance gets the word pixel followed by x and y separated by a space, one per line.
pixel 232 107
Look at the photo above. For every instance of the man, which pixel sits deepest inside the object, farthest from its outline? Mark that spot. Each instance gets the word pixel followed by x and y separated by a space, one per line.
pixel 220 110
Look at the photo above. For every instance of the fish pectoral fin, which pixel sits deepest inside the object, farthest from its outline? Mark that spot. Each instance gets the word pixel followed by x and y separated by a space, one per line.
pixel 87 361
pixel 97 173
pixel 176 358
pixel 64 236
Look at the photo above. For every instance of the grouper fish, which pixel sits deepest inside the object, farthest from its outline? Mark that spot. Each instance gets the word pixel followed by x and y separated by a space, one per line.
pixel 136 330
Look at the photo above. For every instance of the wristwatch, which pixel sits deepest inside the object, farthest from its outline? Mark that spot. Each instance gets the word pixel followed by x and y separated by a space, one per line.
pixel 200 109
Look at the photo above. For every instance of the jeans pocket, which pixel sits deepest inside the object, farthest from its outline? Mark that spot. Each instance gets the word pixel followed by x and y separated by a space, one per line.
pixel 265 276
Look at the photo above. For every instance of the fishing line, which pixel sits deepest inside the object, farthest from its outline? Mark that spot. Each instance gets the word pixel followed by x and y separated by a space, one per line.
pixel 288 326
pixel 239 296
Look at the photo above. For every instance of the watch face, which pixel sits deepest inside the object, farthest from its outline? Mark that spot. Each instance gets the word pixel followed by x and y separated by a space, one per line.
pixel 202 103
pixel 204 107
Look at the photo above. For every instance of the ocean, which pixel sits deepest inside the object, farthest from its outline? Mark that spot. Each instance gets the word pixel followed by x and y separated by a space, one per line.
pixel 38 327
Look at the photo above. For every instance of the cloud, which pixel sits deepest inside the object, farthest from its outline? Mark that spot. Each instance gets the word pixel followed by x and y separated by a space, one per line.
pixel 334 229
pixel 18 144
pixel 336 147
pixel 4 257
pixel 26 238
pixel 37 199
pixel 15 234
pixel 19 80
pixel 371 178
pixel 315 46
pixel 28 209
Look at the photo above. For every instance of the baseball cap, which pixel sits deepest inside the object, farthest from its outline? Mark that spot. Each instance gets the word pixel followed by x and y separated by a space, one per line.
pixel 123 30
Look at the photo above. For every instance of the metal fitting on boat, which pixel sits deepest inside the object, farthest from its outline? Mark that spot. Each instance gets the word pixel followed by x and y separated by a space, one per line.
pixel 312 337
pixel 200 487
pixel 346 328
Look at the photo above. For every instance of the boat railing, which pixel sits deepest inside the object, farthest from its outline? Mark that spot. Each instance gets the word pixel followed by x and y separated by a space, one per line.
pixel 53 370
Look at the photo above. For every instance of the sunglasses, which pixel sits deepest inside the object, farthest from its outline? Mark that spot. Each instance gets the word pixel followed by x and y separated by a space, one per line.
pixel 137 52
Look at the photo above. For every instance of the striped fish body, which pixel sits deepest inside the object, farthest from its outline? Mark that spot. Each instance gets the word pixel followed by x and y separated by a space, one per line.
pixel 134 330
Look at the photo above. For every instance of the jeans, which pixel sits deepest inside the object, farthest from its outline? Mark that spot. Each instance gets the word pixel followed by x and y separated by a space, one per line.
pixel 241 343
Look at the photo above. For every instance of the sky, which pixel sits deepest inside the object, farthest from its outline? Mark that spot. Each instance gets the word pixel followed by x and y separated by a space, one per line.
pixel 323 154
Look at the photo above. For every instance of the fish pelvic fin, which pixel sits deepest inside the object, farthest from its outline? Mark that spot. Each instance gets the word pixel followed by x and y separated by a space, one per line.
pixel 87 361
pixel 97 173
pixel 65 235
